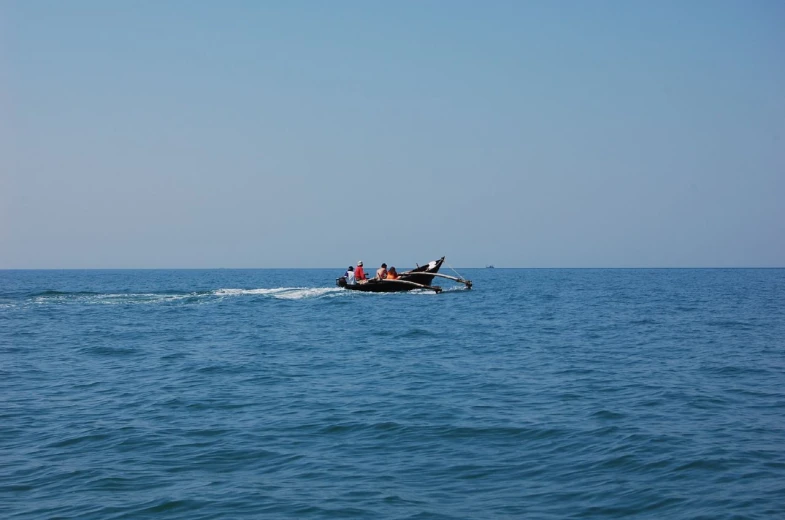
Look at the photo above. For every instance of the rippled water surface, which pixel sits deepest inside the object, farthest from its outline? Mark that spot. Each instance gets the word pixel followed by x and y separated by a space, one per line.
pixel 271 393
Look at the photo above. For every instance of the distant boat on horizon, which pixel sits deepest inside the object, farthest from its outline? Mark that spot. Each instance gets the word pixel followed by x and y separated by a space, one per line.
pixel 489 266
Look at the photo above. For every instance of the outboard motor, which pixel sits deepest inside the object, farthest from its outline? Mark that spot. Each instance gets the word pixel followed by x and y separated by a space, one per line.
pixel 340 282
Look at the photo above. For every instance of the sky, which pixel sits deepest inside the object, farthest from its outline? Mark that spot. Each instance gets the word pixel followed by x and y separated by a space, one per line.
pixel 200 134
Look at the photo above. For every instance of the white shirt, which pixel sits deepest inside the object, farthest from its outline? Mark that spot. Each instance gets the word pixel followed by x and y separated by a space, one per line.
pixel 350 277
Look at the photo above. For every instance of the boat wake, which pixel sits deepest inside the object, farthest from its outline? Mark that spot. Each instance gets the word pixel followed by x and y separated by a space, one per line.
pixel 194 297
pixel 284 293
pixel 175 297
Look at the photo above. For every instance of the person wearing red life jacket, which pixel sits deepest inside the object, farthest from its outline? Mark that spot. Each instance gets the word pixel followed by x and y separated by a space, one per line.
pixel 359 273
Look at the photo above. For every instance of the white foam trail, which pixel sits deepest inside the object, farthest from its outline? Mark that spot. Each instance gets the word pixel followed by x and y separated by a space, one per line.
pixel 299 294
pixel 284 293
pixel 243 292
pixel 137 298
pixel 423 292
pixel 113 298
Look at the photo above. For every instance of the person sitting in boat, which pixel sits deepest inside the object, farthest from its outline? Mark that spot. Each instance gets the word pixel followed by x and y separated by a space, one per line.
pixel 359 273
pixel 381 273
pixel 392 274
pixel 350 280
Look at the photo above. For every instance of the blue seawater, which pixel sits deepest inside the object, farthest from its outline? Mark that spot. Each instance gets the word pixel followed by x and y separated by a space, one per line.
pixel 200 394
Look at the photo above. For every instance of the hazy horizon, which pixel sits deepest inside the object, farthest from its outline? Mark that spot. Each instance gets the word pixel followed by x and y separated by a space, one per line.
pixel 341 268
pixel 524 135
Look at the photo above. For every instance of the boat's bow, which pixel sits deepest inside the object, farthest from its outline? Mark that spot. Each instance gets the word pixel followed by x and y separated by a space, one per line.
pixel 423 274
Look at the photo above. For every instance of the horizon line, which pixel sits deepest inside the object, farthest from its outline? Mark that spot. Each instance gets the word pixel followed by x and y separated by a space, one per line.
pixel 340 268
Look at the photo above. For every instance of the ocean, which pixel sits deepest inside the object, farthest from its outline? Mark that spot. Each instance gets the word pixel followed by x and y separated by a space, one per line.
pixel 271 393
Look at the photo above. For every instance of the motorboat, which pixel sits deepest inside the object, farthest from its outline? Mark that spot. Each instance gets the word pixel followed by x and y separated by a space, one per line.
pixel 420 277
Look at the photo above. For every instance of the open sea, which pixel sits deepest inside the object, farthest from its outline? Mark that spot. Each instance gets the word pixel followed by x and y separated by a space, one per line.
pixel 271 393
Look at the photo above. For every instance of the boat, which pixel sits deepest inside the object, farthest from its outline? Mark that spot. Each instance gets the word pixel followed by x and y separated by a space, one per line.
pixel 418 278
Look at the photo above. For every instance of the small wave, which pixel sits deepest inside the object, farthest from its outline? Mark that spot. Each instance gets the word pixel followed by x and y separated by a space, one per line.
pixel 417 333
pixel 731 324
pixel 607 414
pixel 112 351
pixel 63 293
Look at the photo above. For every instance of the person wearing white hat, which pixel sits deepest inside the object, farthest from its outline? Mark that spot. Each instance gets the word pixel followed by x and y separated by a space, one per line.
pixel 359 273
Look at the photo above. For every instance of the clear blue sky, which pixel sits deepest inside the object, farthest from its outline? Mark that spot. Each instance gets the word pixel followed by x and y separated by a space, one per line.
pixel 313 134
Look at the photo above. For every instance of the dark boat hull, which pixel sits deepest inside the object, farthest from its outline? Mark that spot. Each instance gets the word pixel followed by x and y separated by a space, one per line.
pixel 418 278
pixel 384 286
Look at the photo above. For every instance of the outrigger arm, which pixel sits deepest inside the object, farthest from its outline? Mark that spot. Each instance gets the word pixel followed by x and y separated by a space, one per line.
pixel 467 283
pixel 434 288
